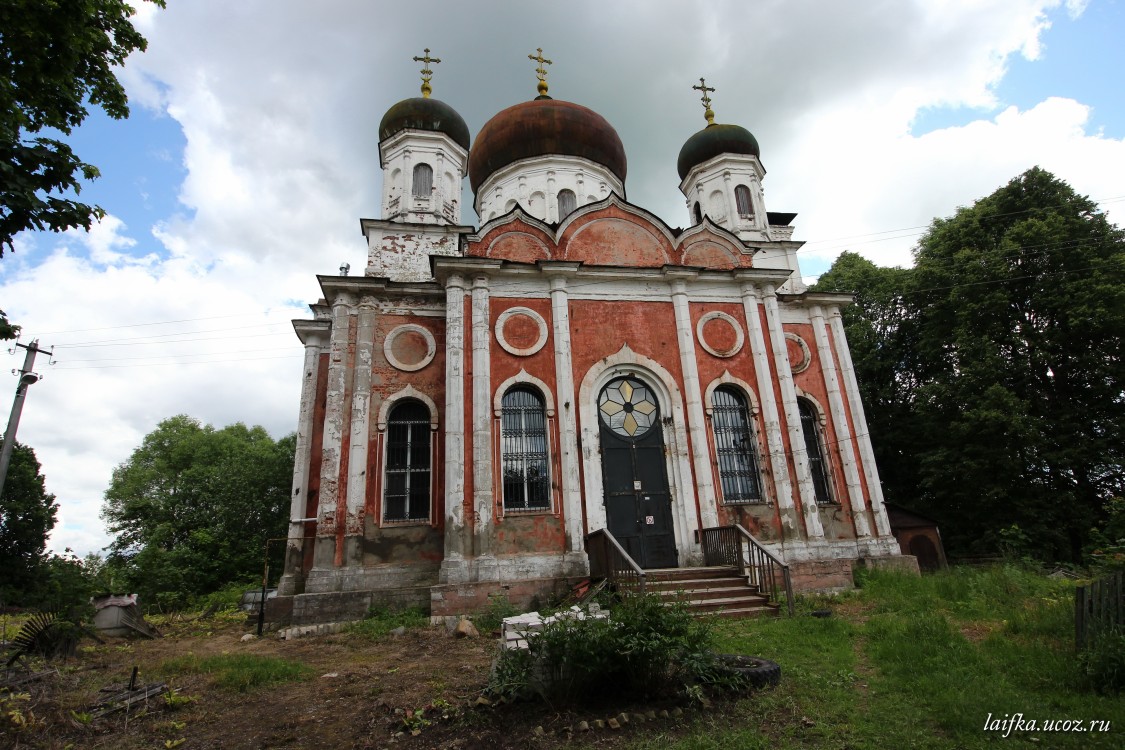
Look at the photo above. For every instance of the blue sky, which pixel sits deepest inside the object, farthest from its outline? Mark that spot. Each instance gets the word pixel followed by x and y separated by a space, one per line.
pixel 252 153
pixel 1075 57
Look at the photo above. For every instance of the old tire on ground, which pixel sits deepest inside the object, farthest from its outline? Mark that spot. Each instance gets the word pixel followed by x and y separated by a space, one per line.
pixel 757 673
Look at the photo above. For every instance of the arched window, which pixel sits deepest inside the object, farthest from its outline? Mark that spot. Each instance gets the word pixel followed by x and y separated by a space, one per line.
pixel 406 489
pixel 423 180
pixel 698 213
pixel 818 464
pixel 523 447
pixel 567 203
pixel 735 447
pixel 742 198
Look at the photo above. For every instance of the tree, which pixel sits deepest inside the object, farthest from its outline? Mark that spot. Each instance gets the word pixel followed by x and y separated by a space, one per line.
pixel 882 329
pixel 1009 342
pixel 27 515
pixel 55 58
pixel 193 506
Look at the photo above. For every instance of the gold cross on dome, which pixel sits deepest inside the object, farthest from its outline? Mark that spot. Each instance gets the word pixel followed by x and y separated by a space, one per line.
pixel 707 113
pixel 541 72
pixel 426 72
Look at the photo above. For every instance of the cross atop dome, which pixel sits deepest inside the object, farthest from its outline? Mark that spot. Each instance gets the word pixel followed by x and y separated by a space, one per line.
pixel 707 112
pixel 426 72
pixel 541 72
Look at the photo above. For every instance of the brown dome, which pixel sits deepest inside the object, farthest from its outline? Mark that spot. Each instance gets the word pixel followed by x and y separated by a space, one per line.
pixel 542 127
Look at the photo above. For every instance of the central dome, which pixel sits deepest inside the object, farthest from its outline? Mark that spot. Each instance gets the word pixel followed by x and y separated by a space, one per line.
pixel 543 127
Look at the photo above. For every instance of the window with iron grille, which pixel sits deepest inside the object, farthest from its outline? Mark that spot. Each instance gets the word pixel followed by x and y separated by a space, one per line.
pixel 406 489
pixel 523 447
pixel 818 465
pixel 423 181
pixel 742 198
pixel 735 447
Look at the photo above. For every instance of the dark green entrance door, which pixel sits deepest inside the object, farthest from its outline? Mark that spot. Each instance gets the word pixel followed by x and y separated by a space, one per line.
pixel 638 505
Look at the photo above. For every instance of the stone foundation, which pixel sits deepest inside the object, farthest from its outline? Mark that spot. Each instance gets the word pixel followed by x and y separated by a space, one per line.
pixel 452 599
pixel 831 576
pixel 343 606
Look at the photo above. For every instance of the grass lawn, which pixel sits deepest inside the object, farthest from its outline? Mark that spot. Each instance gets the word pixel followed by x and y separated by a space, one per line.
pixel 916 663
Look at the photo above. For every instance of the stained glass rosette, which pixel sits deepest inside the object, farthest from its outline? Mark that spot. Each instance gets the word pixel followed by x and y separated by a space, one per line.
pixel 627 407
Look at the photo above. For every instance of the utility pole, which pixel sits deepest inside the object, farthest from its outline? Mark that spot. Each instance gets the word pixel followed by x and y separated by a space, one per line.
pixel 27 377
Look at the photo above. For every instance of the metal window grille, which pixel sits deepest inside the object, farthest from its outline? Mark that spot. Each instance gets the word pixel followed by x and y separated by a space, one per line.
pixel 523 446
pixel 810 426
pixel 735 448
pixel 423 181
pixel 406 494
pixel 742 198
pixel 567 203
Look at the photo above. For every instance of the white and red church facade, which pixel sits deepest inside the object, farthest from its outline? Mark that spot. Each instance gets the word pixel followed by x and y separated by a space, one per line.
pixel 481 399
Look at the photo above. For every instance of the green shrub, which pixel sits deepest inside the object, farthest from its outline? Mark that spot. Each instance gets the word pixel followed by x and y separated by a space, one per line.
pixel 1103 662
pixel 382 620
pixel 499 607
pixel 646 648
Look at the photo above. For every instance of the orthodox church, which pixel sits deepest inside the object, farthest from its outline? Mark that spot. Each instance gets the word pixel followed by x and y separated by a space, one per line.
pixel 482 399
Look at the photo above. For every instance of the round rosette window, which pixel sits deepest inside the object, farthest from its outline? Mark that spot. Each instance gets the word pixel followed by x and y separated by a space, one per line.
pixel 628 407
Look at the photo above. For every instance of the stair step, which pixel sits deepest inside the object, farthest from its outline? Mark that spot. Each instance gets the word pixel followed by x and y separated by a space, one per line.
pixel 716 591
pixel 723 592
pixel 689 584
pixel 736 612
pixel 750 600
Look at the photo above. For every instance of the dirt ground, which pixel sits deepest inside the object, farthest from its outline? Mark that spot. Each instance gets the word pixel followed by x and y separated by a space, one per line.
pixel 416 690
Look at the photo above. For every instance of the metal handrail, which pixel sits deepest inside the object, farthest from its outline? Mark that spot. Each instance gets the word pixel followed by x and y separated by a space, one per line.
pixel 609 560
pixel 722 545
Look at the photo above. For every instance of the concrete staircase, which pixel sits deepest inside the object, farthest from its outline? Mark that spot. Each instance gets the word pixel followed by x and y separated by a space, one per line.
pixel 715 591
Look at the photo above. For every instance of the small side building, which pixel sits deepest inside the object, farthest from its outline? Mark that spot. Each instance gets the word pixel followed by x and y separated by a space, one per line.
pixel 917 535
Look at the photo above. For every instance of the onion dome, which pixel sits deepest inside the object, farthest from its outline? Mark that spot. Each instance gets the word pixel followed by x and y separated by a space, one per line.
pixel 714 140
pixel 423 113
pixel 542 127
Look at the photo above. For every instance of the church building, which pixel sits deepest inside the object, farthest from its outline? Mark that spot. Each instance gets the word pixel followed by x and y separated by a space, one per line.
pixel 482 399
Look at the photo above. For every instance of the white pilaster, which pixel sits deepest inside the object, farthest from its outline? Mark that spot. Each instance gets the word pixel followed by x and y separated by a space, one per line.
pixel 483 528
pixel 814 528
pixel 336 418
pixel 294 552
pixel 775 446
pixel 840 423
pixel 567 408
pixel 453 567
pixel 361 409
pixel 859 420
pixel 693 395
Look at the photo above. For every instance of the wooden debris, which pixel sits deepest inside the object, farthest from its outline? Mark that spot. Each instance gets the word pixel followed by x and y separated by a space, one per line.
pixel 126 699
pixel 10 681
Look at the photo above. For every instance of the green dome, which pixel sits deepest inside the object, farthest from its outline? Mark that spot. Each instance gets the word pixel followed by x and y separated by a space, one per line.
pixel 422 113
pixel 714 140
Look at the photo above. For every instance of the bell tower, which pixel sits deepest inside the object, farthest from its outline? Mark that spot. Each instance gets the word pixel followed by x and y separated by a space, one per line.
pixel 424 153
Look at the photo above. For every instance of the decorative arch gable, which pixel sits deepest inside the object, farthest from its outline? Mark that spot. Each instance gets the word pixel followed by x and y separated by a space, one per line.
pixel 515 237
pixel 703 247
pixel 615 234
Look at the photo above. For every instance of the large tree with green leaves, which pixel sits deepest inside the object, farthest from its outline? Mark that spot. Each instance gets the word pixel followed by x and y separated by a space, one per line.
pixel 193 506
pixel 56 58
pixel 1006 338
pixel 27 515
